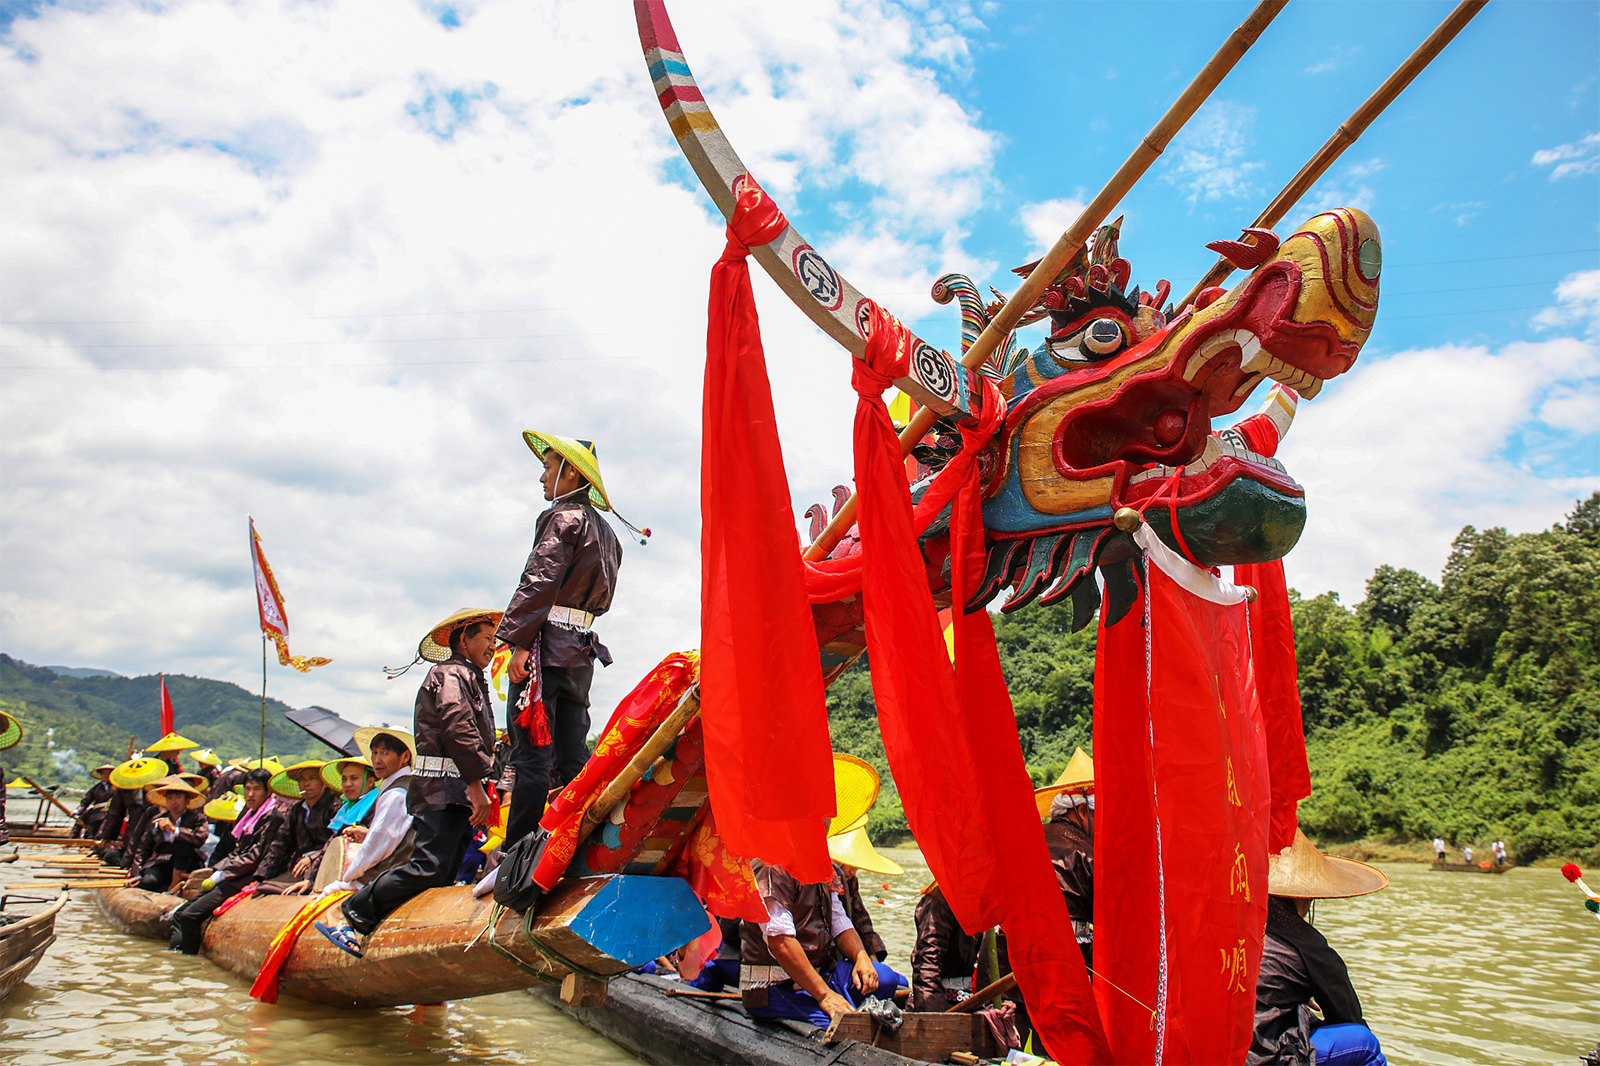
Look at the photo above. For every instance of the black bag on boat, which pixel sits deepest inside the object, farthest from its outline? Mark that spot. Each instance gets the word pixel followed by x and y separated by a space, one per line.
pixel 515 886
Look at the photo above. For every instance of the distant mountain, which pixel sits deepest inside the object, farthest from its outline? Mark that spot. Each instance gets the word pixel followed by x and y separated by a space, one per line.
pixel 82 671
pixel 93 717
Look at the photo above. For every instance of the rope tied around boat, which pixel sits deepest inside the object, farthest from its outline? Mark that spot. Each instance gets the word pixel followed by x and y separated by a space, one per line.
pixel 538 975
pixel 556 957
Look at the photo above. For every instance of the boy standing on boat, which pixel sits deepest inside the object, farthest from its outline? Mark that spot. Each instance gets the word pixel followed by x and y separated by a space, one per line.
pixel 454 732
pixel 567 582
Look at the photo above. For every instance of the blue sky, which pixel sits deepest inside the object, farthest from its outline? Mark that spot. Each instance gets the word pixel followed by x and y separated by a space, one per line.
pixel 321 263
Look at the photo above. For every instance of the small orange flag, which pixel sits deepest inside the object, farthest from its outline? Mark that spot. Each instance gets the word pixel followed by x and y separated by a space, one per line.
pixel 274 623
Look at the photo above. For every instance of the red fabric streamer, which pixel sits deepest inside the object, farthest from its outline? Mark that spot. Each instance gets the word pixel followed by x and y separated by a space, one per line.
pixel 1181 829
pixel 166 708
pixel 1277 682
pixel 722 880
pixel 652 700
pixel 980 830
pixel 769 764
pixel 532 715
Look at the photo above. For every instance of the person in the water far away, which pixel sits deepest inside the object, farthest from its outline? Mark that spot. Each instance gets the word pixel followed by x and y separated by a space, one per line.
pixel 1298 967
pixel 169 845
pixel 255 850
pixel 788 967
pixel 568 581
pixel 454 726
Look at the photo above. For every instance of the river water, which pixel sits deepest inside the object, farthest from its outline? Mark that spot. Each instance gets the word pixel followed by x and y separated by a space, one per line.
pixel 1451 969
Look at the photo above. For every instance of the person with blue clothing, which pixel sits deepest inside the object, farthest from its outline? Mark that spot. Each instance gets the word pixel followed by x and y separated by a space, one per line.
pixel 1300 968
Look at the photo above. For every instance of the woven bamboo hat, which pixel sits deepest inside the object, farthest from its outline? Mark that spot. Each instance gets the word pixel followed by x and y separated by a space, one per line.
pixel 854 848
pixel 157 792
pixel 435 647
pixel 286 782
pixel 855 786
pixel 171 742
pixel 136 773
pixel 1300 871
pixel 1077 777
pixel 333 772
pixel 103 772
pixel 205 757
pixel 226 807
pixel 365 734
pixel 580 453
pixel 10 731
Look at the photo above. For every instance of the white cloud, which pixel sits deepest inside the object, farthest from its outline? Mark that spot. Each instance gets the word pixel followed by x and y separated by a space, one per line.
pixel 1403 451
pixel 1207 158
pixel 1578 303
pixel 367 260
pixel 1346 189
pixel 1579 157
pixel 1044 222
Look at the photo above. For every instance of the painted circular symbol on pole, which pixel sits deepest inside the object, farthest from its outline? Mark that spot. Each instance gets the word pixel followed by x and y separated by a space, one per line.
pixel 864 317
pixel 933 370
pixel 818 277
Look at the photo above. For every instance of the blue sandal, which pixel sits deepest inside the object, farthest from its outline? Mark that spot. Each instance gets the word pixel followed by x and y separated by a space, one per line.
pixel 342 937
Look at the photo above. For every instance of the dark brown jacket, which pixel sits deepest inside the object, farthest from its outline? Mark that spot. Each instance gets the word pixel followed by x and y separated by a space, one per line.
pixel 812 909
pixel 1297 966
pixel 192 830
pixel 856 908
pixel 124 803
pixel 453 721
pixel 307 830
pixel 1072 854
pixel 574 564
pixel 259 854
pixel 943 950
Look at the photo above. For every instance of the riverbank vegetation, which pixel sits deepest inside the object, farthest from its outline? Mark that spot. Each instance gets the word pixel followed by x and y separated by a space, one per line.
pixel 1467 708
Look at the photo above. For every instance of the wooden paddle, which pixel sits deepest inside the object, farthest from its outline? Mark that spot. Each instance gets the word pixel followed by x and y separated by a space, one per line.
pixel 980 999
pixel 68 811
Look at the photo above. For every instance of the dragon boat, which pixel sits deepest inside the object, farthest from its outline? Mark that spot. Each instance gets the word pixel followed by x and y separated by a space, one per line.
pixel 1470 867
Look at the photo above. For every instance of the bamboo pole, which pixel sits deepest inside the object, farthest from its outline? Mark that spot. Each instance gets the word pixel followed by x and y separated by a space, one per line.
pixel 978 999
pixel 1071 241
pixel 68 811
pixel 1345 136
pixel 263 756
pixel 643 759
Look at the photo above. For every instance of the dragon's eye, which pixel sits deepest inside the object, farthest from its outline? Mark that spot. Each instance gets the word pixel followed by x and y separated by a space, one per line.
pixel 1102 338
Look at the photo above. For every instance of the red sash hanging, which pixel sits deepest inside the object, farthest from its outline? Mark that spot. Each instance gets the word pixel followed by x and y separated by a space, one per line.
pixel 1277 682
pixel 951 736
pixel 769 763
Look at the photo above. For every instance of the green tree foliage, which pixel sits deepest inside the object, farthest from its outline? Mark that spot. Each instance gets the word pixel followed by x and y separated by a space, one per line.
pixel 1468 708
pixel 93 717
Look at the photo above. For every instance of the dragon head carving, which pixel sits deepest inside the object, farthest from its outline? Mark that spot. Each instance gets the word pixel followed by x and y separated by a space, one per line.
pixel 1115 409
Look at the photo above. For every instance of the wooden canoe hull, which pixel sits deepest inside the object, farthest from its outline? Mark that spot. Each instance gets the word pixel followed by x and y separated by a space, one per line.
pixel 1469 868
pixel 23 944
pixel 642 1016
pixel 137 912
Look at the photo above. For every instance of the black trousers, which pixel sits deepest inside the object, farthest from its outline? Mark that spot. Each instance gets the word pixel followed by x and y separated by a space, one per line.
pixel 187 922
pixel 158 875
pixel 441 844
pixel 543 767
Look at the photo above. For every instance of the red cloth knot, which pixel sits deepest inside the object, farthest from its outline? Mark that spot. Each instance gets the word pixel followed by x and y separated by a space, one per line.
pixel 976 436
pixel 756 219
pixel 887 357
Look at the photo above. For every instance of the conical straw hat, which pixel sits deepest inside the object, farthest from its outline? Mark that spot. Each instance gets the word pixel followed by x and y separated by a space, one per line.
pixel 103 772
pixel 157 792
pixel 205 757
pixel 365 734
pixel 333 772
pixel 136 773
pixel 226 807
pixel 286 782
pixel 854 848
pixel 855 785
pixel 1077 777
pixel 10 731
pixel 1300 871
pixel 581 454
pixel 435 647
pixel 171 742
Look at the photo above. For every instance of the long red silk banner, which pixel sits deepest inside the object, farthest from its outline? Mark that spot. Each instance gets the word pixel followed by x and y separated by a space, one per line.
pixel 951 736
pixel 1277 681
pixel 769 763
pixel 1181 825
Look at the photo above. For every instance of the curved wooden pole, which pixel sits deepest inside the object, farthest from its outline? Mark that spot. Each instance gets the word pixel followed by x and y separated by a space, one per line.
pixel 1070 242
pixel 69 812
pixel 643 759
pixel 1345 136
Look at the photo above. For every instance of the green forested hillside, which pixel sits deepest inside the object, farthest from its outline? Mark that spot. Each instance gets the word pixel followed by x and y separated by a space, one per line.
pixel 1469 708
pixel 93 717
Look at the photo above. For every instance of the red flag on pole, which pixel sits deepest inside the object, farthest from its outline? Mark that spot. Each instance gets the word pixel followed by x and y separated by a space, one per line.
pixel 269 601
pixel 166 708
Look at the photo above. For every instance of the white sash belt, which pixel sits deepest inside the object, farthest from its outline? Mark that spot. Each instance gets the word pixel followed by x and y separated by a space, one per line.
pixel 435 766
pixel 572 618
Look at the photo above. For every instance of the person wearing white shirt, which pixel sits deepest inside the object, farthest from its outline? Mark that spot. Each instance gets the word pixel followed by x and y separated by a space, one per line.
pixel 386 838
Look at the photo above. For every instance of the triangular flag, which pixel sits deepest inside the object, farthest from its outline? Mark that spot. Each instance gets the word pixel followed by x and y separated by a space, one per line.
pixel 166 708
pixel 269 601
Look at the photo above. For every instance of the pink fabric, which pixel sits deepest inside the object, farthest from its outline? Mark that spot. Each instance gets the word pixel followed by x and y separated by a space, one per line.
pixel 761 689
pixel 247 821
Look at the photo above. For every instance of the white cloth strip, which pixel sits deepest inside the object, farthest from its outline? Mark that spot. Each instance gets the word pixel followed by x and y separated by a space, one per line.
pixel 1202 583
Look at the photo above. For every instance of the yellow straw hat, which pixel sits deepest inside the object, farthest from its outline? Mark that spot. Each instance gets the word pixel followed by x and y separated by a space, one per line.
pixel 365 734
pixel 435 647
pixel 286 782
pixel 855 787
pixel 171 742
pixel 157 792
pixel 226 807
pixel 1300 871
pixel 10 731
pixel 1077 777
pixel 581 454
pixel 136 773
pixel 854 848
pixel 205 757
pixel 333 772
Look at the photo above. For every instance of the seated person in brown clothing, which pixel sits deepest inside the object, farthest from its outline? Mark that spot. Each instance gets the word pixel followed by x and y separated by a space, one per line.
pixel 306 819
pixel 257 855
pixel 944 957
pixel 168 848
